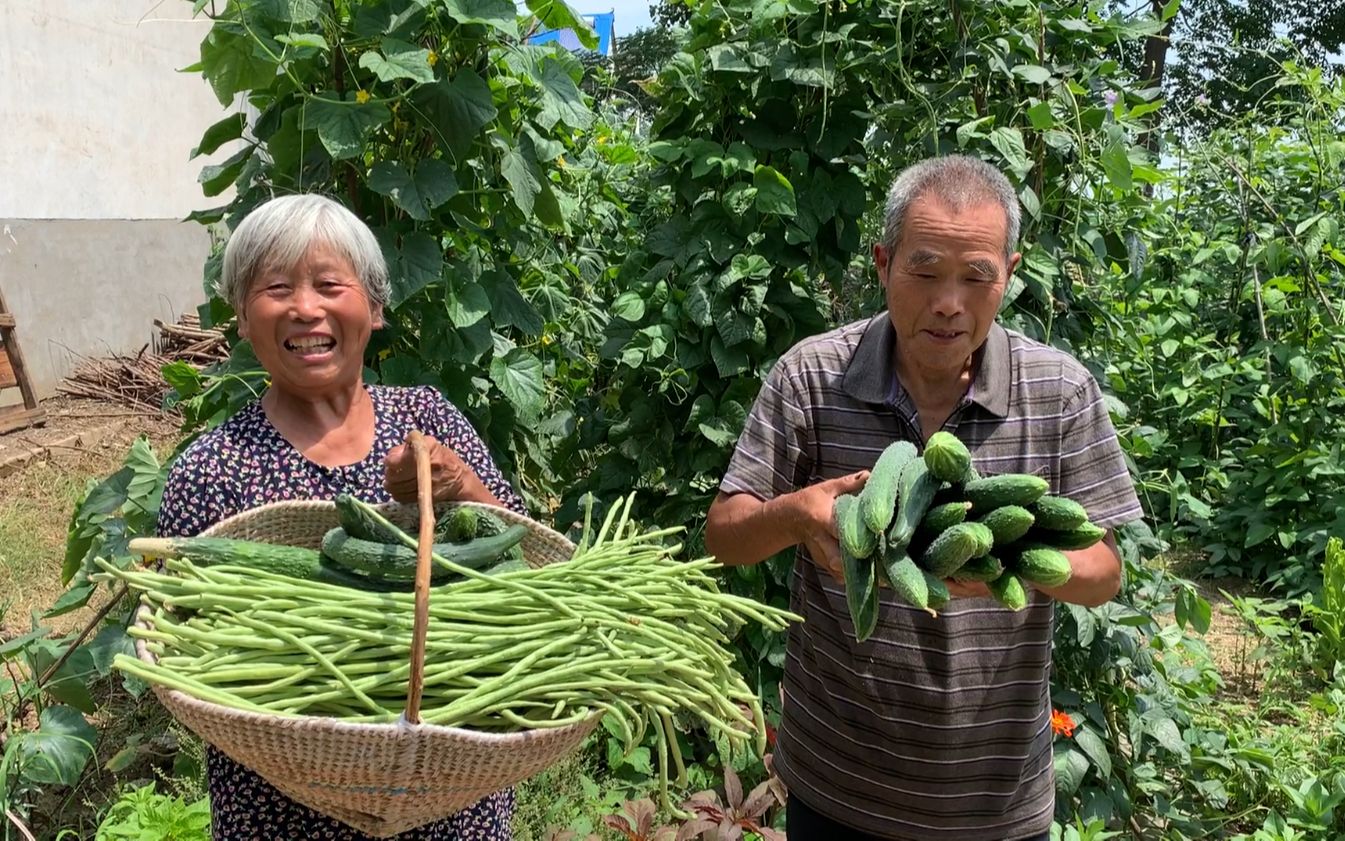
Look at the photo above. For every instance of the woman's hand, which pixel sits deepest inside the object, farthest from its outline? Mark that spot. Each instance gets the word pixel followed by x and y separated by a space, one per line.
pixel 451 479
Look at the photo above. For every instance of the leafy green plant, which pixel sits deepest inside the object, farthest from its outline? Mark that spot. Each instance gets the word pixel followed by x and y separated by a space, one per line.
pixel 1328 611
pixel 142 814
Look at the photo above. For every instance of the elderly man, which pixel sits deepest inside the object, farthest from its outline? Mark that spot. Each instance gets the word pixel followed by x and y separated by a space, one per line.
pixel 933 728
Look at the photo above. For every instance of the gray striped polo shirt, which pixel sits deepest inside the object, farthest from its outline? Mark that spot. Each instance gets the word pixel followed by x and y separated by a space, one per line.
pixel 932 728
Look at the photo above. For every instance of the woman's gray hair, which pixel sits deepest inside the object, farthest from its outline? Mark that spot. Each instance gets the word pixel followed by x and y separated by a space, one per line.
pixel 277 234
pixel 958 180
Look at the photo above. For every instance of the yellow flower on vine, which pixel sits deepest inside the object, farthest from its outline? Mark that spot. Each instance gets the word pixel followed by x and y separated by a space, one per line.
pixel 433 58
pixel 361 97
pixel 560 162
pixel 547 339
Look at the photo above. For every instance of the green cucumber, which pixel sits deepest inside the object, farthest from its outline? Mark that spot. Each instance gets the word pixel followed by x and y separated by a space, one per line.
pixel 1082 537
pixel 878 500
pixel 861 593
pixel 906 579
pixel 944 516
pixel 948 458
pixel 993 492
pixel 1008 523
pixel 984 568
pixel 1058 513
pixel 1008 590
pixel 355 519
pixel 938 592
pixel 1043 565
pixel 850 528
pixel 916 490
pixel 398 563
pixel 957 545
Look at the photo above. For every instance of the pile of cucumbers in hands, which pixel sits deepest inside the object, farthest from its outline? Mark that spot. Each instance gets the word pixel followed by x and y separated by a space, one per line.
pixel 923 519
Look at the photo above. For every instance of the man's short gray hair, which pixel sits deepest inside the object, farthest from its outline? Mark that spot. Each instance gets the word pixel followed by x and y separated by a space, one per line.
pixel 277 234
pixel 958 180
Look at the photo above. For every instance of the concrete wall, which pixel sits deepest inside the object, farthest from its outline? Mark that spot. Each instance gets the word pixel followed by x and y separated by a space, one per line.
pixel 96 126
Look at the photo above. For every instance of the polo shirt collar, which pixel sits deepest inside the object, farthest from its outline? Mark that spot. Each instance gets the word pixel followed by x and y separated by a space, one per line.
pixel 870 374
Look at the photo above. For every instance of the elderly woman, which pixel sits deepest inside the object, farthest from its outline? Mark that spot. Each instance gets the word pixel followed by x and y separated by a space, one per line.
pixel 308 282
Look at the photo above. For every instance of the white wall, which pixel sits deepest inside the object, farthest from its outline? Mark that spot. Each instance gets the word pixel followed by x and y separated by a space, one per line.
pixel 96 126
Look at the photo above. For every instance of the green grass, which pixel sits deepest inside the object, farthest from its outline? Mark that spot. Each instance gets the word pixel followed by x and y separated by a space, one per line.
pixel 34 514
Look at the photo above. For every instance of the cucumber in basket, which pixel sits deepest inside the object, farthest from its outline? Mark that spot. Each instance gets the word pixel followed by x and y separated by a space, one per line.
pixel 291 561
pixel 395 562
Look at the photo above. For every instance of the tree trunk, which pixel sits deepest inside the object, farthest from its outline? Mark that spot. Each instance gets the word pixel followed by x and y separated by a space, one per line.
pixel 1152 68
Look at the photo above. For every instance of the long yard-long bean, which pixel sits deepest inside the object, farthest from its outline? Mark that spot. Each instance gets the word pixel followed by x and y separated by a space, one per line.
pixel 620 629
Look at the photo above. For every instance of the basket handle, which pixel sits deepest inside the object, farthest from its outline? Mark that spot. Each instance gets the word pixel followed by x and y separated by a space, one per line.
pixel 424 496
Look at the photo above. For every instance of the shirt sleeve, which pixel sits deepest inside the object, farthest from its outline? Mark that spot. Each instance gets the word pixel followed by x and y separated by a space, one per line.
pixel 772 457
pixel 450 426
pixel 1093 470
pixel 195 496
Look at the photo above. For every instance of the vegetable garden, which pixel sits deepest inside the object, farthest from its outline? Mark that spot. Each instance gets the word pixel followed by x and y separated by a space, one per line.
pixel 601 282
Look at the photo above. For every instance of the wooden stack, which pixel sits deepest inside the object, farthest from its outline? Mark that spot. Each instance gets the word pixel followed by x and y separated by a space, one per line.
pixel 137 380
pixel 13 374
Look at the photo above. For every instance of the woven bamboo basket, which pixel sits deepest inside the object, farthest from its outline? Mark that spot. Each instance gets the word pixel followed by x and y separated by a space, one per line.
pixel 381 779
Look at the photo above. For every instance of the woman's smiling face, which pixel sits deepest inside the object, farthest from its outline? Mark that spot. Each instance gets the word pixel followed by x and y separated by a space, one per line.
pixel 309 324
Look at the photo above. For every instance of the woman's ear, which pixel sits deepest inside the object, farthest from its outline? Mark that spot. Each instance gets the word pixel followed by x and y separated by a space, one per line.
pixel 376 315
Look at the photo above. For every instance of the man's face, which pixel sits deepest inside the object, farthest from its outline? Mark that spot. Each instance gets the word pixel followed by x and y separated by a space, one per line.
pixel 944 281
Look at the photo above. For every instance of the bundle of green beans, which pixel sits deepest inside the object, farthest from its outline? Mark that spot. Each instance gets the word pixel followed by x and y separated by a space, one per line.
pixel 621 628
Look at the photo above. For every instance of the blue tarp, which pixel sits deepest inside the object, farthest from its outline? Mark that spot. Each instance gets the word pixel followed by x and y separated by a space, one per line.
pixel 602 24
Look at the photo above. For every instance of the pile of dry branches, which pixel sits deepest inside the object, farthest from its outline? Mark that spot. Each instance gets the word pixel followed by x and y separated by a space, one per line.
pixel 136 380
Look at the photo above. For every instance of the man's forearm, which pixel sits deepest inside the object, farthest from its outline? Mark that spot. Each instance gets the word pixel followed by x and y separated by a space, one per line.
pixel 741 530
pixel 1097 575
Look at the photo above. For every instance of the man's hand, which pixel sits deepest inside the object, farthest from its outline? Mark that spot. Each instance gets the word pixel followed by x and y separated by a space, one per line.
pixel 741 529
pixel 815 524
pixel 451 479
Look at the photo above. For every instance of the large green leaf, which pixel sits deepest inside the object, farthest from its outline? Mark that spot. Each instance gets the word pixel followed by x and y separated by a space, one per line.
pixel 56 753
pixel 399 18
pixel 343 125
pixel 730 361
pixel 1008 142
pixel 774 192
pixel 231 64
pixel 432 184
pixel 508 307
pixel 1116 163
pixel 229 128
pixel 560 97
pixel 458 109
pixel 415 264
pixel 399 60
pixel 524 181
pixel 216 178
pixel 69 684
pixel 557 14
pixel 288 11
pixel 1070 768
pixel 1095 749
pixel 467 305
pixel 518 374
pixel 500 14
pixel 697 305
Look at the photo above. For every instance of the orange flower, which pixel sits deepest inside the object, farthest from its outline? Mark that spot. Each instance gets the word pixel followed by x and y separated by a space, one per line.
pixel 1062 724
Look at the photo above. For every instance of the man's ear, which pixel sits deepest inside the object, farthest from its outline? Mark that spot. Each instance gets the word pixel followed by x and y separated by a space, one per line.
pixel 1014 261
pixel 881 259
